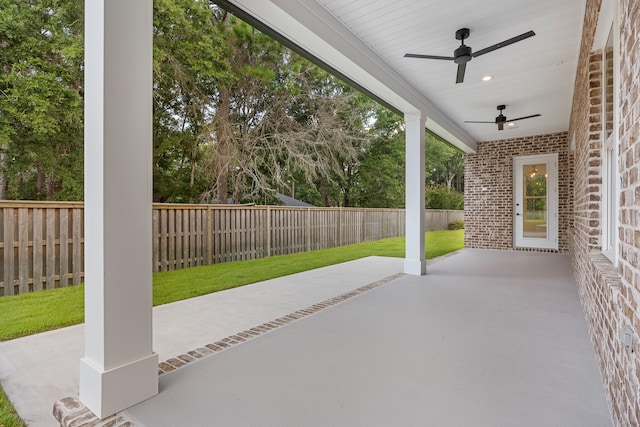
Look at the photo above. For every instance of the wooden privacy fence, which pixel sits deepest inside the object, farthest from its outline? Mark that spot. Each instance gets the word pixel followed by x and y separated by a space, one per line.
pixel 42 243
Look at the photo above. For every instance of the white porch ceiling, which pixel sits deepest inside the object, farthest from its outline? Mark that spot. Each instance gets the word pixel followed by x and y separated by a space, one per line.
pixel 366 41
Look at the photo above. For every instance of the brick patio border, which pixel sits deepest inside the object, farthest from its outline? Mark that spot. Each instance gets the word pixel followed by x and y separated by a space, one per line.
pixel 70 412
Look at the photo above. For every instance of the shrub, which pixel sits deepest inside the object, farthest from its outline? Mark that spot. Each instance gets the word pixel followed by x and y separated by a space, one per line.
pixel 456 225
pixel 441 197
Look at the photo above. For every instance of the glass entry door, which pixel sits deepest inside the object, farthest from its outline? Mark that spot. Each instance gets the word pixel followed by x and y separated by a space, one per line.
pixel 536 201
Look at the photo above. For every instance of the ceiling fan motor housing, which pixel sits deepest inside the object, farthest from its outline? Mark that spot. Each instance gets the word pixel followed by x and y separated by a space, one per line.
pixel 462 55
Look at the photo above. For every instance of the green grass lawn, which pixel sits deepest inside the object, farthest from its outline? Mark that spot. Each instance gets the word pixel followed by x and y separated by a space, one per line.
pixel 36 312
pixel 8 416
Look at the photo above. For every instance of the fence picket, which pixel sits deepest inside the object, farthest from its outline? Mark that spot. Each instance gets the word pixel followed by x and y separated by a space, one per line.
pixel 23 250
pixel 155 215
pixel 196 247
pixel 64 247
pixel 38 244
pixel 77 247
pixel 172 240
pixel 51 247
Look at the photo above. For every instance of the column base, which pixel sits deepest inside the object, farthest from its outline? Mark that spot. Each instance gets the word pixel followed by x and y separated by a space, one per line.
pixel 107 392
pixel 416 267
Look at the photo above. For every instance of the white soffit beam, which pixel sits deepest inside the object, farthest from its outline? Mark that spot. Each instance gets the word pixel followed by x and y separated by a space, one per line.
pixel 311 27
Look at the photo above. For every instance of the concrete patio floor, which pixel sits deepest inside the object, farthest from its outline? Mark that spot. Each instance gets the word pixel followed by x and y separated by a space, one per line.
pixel 487 338
pixel 37 370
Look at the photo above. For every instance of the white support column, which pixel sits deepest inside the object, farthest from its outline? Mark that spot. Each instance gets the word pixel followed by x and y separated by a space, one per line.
pixel 119 368
pixel 415 262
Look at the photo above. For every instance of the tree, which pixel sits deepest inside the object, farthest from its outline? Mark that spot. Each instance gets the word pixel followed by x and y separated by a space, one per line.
pixel 380 180
pixel 41 89
pixel 444 173
pixel 190 61
pixel 444 163
pixel 278 119
pixel 341 115
pixel 440 196
pixel 235 115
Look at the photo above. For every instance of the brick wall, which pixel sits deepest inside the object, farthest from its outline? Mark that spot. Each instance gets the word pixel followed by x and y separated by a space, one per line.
pixel 609 294
pixel 629 159
pixel 488 196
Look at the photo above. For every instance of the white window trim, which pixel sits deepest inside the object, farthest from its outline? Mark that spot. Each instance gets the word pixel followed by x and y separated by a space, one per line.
pixel 610 190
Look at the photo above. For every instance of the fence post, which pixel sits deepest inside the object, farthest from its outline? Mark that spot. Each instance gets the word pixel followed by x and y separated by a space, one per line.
pixel 8 251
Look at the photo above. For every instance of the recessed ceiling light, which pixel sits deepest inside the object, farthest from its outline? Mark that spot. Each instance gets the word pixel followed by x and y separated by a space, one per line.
pixel 487 78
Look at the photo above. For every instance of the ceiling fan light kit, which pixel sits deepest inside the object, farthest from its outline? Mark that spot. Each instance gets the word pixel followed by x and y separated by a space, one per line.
pixel 464 53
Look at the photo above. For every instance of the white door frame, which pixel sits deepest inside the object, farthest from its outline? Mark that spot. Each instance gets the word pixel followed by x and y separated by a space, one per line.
pixel 551 239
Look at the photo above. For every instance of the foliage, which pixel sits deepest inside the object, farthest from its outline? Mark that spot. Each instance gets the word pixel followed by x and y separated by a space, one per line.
pixel 444 164
pixel 441 197
pixel 236 116
pixel 536 200
pixel 380 178
pixel 456 225
pixel 35 312
pixel 279 120
pixel 190 61
pixel 41 56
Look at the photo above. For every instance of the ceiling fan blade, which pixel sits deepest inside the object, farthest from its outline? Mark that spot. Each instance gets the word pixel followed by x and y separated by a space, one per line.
pixel 470 121
pixel 417 55
pixel 461 70
pixel 525 117
pixel 501 126
pixel 504 43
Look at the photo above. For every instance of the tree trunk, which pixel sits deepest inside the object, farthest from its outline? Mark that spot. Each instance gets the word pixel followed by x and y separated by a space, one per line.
pixel 192 179
pixel 53 186
pixel 223 139
pixel 450 181
pixel 42 190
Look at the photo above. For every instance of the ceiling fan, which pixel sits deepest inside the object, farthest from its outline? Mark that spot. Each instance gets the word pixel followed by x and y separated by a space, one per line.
pixel 501 119
pixel 464 54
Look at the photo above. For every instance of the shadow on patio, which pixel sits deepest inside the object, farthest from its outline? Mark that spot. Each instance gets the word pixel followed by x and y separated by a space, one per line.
pixel 487 338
